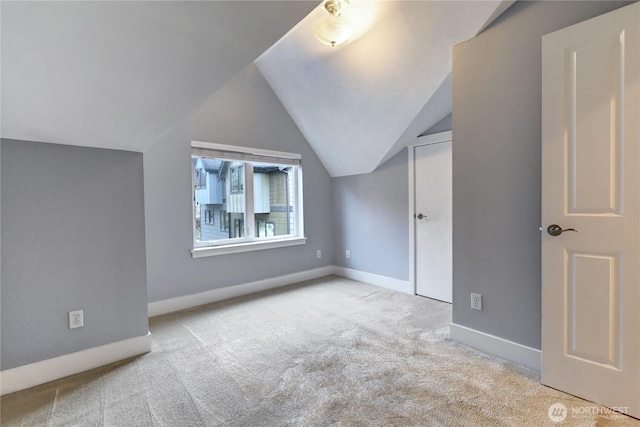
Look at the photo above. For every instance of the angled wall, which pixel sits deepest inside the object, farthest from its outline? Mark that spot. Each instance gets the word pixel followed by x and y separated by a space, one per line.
pixel 72 236
pixel 247 113
pixel 497 167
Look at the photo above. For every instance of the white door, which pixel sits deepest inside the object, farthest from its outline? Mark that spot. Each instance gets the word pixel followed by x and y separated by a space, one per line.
pixel 433 218
pixel 590 182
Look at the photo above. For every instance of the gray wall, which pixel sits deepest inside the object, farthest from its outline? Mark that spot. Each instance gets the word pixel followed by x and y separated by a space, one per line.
pixel 245 112
pixel 370 214
pixel 496 167
pixel 72 236
pixel 442 126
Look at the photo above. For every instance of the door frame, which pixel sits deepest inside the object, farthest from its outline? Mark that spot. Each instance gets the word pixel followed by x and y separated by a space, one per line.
pixel 435 138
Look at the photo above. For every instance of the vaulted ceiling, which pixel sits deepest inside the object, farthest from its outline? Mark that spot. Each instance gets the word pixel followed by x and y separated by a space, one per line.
pixel 353 103
pixel 122 74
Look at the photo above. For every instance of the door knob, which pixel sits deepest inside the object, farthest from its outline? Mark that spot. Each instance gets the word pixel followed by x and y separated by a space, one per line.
pixel 556 230
pixel 420 216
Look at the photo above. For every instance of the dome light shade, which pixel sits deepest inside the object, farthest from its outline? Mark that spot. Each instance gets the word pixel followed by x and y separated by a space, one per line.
pixel 334 29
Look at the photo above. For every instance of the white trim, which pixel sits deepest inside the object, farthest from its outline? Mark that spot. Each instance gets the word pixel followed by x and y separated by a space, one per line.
pixel 185 302
pixel 33 374
pixel 239 149
pixel 298 186
pixel 505 349
pixel 375 279
pixel 157 308
pixel 434 138
pixel 412 219
pixel 205 251
pixel 193 204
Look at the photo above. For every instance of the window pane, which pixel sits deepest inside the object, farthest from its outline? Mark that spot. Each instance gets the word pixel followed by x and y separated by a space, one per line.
pixel 237 177
pixel 273 199
pixel 224 220
pixel 216 199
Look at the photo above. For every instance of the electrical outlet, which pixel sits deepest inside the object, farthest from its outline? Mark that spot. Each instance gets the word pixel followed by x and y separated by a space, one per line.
pixel 76 319
pixel 319 253
pixel 476 301
pixel 347 254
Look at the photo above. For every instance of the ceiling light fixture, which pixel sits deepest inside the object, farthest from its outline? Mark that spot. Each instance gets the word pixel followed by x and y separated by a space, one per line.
pixel 334 29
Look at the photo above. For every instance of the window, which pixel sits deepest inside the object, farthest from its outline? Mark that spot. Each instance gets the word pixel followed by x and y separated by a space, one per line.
pixel 208 216
pixel 238 228
pixel 237 179
pixel 258 199
pixel 224 224
pixel 199 178
pixel 266 229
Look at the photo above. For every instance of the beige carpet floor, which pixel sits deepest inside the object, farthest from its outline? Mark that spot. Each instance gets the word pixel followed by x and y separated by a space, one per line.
pixel 331 352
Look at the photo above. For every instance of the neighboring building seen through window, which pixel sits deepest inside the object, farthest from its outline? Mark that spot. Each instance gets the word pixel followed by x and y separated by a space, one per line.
pixel 237 179
pixel 267 209
pixel 199 178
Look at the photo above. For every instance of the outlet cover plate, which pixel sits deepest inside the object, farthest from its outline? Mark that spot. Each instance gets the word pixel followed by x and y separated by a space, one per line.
pixel 476 302
pixel 76 319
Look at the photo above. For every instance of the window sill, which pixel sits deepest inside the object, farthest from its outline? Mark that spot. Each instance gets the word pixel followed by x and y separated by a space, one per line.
pixel 245 247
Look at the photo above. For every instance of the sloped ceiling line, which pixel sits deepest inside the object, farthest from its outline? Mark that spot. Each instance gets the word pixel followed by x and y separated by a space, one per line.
pixel 121 75
pixel 361 103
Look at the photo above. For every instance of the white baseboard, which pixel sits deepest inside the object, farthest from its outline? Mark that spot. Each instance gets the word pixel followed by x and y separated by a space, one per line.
pixel 505 349
pixel 185 302
pixel 33 374
pixel 375 279
pixel 157 308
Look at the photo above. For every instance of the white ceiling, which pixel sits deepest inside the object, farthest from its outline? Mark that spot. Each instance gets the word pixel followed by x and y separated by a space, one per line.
pixel 122 74
pixel 354 103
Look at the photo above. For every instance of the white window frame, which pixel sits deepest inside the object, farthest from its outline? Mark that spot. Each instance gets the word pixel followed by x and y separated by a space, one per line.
pixel 250 242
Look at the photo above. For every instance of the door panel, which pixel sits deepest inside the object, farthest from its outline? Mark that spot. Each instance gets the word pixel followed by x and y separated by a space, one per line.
pixel 594 125
pixel 433 198
pixel 593 308
pixel 591 182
